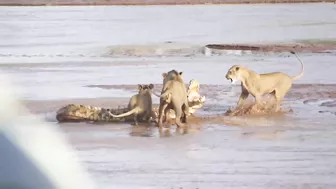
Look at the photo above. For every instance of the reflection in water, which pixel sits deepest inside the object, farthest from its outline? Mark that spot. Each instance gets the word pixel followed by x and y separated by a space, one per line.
pixel 167 132
pixel 264 133
pixel 142 131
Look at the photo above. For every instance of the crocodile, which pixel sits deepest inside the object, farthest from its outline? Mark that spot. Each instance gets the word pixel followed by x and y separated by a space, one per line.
pixel 86 113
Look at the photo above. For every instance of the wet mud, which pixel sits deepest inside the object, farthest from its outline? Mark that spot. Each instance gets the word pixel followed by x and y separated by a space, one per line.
pixel 295 148
pixel 322 94
pixel 216 111
pixel 317 47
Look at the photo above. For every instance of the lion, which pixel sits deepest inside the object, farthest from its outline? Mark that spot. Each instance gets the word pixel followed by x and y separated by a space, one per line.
pixel 276 83
pixel 173 96
pixel 140 104
pixel 195 100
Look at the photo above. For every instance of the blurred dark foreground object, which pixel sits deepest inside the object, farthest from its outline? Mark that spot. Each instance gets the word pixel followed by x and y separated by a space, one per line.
pixel 34 154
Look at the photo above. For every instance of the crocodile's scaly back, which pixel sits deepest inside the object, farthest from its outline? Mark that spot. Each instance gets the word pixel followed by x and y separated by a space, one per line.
pixel 78 113
pixel 73 112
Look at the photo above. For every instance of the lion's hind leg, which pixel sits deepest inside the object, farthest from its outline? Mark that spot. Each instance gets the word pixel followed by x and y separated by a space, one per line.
pixel 185 110
pixel 149 116
pixel 135 119
pixel 279 94
pixel 162 109
pixel 179 114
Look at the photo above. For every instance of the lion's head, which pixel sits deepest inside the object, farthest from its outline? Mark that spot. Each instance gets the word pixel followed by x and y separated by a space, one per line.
pixel 234 73
pixel 172 75
pixel 145 88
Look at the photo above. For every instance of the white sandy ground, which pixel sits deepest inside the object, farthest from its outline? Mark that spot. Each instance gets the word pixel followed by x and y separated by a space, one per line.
pixel 52 53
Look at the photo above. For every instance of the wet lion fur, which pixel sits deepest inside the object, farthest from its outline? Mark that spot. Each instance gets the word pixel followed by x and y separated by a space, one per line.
pixel 140 104
pixel 276 83
pixel 174 96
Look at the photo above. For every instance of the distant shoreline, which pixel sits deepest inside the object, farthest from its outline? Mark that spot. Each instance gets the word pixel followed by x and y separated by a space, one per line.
pixel 165 2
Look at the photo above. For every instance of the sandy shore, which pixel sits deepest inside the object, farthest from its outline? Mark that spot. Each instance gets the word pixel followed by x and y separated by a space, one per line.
pixel 146 2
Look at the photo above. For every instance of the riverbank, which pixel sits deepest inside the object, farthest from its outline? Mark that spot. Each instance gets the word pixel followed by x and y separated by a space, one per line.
pixel 311 46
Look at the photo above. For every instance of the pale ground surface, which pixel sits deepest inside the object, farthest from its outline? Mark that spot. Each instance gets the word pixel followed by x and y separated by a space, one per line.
pixel 53 53
pixel 143 2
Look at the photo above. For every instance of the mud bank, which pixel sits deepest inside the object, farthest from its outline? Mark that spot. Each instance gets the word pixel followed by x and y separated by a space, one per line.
pixel 298 91
pixel 170 48
pixel 149 2
pixel 313 47
pixel 316 99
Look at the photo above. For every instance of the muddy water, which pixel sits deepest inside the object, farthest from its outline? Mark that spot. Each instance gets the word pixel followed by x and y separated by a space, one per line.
pixel 294 150
pixel 66 55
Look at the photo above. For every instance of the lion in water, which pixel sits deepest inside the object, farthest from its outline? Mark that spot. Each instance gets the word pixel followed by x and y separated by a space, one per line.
pixel 276 83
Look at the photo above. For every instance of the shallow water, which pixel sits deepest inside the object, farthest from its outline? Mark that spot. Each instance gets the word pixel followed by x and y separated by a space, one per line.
pixel 54 53
pixel 51 34
pixel 44 81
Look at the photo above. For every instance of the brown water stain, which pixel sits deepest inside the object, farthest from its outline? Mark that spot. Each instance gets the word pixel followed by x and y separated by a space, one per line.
pixel 318 46
pixel 214 112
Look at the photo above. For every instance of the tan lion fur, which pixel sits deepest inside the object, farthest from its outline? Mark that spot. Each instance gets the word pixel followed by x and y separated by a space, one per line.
pixel 140 104
pixel 173 96
pixel 276 83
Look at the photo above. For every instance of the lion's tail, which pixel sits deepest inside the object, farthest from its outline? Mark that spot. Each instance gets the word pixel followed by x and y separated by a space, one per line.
pixel 302 67
pixel 127 113
pixel 156 94
pixel 165 94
